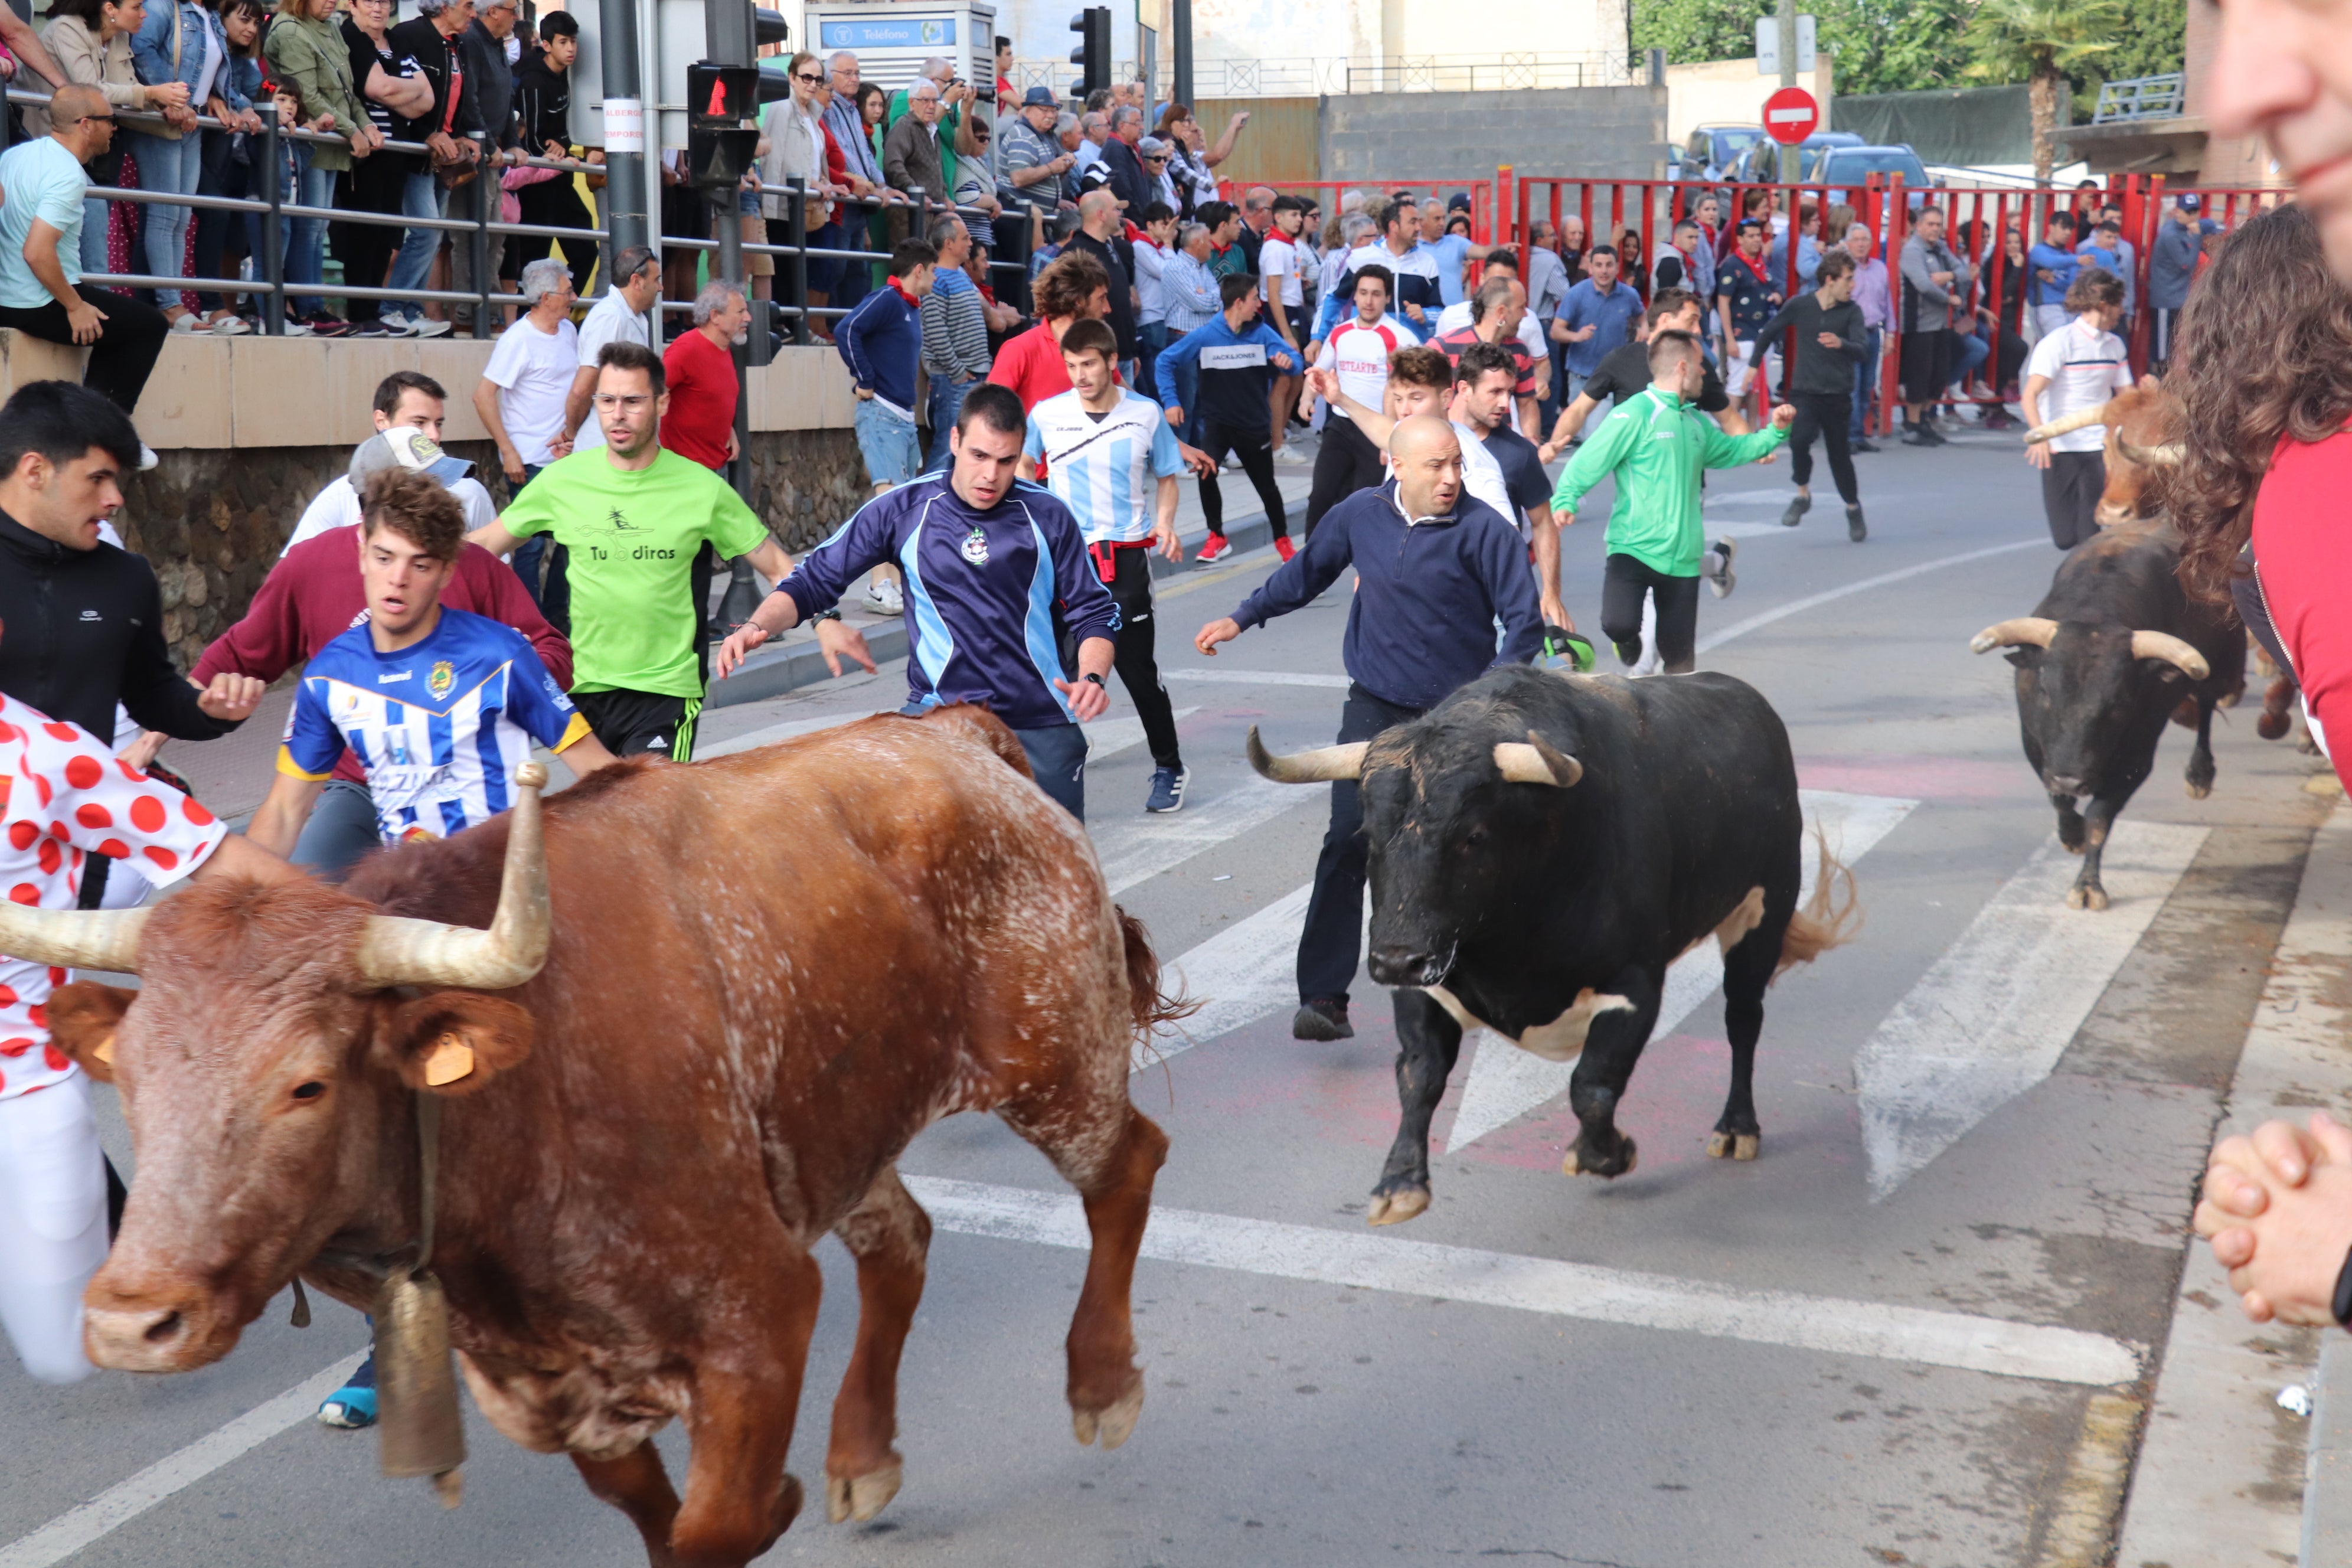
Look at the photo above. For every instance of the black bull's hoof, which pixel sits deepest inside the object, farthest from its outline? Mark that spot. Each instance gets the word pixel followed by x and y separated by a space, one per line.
pixel 1584 1160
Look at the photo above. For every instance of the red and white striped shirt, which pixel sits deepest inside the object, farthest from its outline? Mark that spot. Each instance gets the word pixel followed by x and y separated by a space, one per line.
pixel 63 796
pixel 1359 354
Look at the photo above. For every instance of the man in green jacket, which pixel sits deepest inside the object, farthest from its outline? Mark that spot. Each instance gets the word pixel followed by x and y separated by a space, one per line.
pixel 1656 443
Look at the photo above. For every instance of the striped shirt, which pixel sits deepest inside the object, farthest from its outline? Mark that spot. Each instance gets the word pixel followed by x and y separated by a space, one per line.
pixel 440 726
pixel 1105 467
pixel 955 329
pixel 1189 290
pixel 2085 367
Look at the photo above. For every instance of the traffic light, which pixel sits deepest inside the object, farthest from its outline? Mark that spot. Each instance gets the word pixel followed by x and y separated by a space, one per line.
pixel 721 137
pixel 1092 56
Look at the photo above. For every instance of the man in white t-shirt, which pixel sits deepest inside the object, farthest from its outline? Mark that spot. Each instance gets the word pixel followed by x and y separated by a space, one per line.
pixel 2079 366
pixel 408 410
pixel 1453 318
pixel 623 314
pixel 1421 381
pixel 1280 263
pixel 523 389
pixel 1357 352
pixel 1415 296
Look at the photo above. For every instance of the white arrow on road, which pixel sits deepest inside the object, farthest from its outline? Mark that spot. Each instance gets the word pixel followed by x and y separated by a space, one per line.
pixel 1989 1020
pixel 1506 1082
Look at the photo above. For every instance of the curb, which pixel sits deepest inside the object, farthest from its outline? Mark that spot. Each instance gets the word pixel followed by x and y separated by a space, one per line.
pixel 799 664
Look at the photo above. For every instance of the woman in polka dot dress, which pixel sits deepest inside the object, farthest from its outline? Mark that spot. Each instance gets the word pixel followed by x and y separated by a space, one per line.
pixel 64 797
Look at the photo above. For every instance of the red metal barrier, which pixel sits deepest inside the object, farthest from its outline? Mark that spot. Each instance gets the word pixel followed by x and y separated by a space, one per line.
pixel 1330 193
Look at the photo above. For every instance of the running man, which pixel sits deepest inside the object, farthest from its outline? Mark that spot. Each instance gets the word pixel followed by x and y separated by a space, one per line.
pixel 1111 458
pixel 1357 352
pixel 1831 340
pixel 2080 365
pixel 1625 370
pixel 1656 443
pixel 981 549
pixel 643 527
pixel 1238 356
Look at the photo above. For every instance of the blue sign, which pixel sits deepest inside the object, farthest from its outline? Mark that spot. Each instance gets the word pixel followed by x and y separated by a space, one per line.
pixel 911 33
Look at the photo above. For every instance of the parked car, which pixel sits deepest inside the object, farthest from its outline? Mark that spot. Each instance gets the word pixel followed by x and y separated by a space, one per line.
pixel 1760 162
pixel 1710 150
pixel 1845 170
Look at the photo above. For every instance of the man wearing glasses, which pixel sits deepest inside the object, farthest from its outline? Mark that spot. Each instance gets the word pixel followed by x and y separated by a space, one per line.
pixel 41 291
pixel 634 520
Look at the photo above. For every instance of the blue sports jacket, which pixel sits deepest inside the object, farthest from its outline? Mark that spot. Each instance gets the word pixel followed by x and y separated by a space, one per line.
pixel 1236 369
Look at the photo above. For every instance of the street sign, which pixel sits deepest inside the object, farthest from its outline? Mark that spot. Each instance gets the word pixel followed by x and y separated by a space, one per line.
pixel 1768 45
pixel 1790 115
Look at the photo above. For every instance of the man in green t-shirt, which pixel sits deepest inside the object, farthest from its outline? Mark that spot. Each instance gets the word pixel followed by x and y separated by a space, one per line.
pixel 643 526
pixel 1656 442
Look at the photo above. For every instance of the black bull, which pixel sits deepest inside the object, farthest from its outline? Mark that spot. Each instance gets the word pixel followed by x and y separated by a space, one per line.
pixel 2114 650
pixel 1542 848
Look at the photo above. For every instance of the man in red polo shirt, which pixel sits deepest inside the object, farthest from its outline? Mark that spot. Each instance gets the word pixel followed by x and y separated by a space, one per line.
pixel 1072 288
pixel 700 367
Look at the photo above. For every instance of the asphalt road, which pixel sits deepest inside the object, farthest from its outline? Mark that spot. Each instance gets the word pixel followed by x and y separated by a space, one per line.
pixel 1919 1329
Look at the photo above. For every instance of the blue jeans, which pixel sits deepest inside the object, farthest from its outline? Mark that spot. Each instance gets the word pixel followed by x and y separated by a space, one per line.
pixel 887 443
pixel 1973 352
pixel 342 828
pixel 1866 381
pixel 1058 756
pixel 1152 336
pixel 421 197
pixel 306 244
pixel 554 596
pixel 173 165
pixel 947 401
pixel 93 235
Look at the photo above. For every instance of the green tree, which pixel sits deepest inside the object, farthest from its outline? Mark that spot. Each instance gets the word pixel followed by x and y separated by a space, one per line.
pixel 2041 43
pixel 1879 45
pixel 2149 41
pixel 1692 30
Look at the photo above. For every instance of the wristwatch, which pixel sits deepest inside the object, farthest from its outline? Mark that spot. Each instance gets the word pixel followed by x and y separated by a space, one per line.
pixel 1096 678
pixel 832 614
pixel 2342 1305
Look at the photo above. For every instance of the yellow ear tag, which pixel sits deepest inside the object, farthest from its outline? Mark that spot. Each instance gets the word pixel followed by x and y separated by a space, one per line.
pixel 452 1058
pixel 104 1050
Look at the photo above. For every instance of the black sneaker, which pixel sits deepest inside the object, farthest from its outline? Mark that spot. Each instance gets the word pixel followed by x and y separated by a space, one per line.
pixel 1855 529
pixel 1167 789
pixel 1324 1018
pixel 1918 436
pixel 1798 507
pixel 1863 445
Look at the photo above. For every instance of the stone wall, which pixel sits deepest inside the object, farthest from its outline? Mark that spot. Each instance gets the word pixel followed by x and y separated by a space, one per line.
pixel 211 522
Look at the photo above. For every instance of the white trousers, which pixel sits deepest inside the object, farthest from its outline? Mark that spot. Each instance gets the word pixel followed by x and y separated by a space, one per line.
pixel 52 1225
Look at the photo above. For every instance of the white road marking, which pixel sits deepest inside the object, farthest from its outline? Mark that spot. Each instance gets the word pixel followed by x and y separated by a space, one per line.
pixel 1992 1015
pixel 1136 849
pixel 1581 1291
pixel 1506 1083
pixel 126 1501
pixel 1259 676
pixel 1105 737
pixel 1244 973
pixel 1812 601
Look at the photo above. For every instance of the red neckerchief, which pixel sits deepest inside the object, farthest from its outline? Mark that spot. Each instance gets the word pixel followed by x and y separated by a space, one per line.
pixel 1755 265
pixel 1713 242
pixel 904 295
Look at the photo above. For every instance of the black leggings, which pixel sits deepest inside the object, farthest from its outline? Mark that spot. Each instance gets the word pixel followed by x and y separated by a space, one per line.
pixel 366 249
pixel 555 204
pixel 1257 462
pixel 1346 463
pixel 1139 668
pixel 129 340
pixel 1623 582
pixel 1825 415
pixel 2070 495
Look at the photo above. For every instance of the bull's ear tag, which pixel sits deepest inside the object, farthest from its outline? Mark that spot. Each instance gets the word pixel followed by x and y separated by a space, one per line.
pixel 104 1050
pixel 451 1059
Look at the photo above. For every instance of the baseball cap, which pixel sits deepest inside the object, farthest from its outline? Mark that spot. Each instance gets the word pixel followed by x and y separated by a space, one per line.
pixel 1459 202
pixel 405 446
pixel 2189 203
pixel 1040 97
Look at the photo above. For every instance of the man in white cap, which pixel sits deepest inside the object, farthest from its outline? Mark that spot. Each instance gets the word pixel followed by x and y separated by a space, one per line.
pixel 408 411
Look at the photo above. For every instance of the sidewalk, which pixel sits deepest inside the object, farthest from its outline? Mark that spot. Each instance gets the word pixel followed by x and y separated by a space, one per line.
pixel 2221 1479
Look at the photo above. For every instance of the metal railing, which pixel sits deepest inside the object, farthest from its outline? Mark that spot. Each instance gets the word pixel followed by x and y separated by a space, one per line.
pixel 2141 98
pixel 476 225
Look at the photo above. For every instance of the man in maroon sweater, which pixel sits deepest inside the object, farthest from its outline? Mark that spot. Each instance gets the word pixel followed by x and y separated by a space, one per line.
pixel 313 596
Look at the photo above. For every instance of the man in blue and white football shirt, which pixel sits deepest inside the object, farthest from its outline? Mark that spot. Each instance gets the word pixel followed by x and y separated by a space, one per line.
pixel 1110 457
pixel 439 705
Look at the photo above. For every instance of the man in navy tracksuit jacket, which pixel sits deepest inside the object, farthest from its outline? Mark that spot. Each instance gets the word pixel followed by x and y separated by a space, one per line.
pixel 1238 355
pixel 1435 568
pixel 996 572
pixel 881 342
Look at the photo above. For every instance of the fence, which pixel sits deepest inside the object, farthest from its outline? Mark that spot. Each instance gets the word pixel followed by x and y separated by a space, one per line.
pixel 1310 76
pixel 475 228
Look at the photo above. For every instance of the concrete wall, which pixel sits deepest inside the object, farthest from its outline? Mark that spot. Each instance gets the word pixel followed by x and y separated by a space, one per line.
pixel 1595 132
pixel 1729 92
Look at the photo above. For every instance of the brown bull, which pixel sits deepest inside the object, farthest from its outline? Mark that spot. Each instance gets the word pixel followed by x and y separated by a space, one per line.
pixel 2143 438
pixel 766 975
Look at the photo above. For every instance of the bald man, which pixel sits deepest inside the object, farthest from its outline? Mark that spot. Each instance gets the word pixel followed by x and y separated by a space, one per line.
pixel 1435 569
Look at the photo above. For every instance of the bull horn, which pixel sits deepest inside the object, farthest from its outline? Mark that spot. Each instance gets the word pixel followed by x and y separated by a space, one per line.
pixel 2165 454
pixel 2035 630
pixel 397 951
pixel 2066 424
pixel 1537 761
pixel 2173 651
pixel 1321 765
pixel 72 938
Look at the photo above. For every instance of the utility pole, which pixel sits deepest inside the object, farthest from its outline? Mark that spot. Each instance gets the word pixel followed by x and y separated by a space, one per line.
pixel 624 125
pixel 1788 14
pixel 1180 51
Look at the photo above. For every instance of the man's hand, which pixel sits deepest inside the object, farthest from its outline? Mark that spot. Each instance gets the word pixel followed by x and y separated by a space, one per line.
pixel 1202 465
pixel 1554 612
pixel 739 644
pixel 835 640
pixel 1215 632
pixel 1164 540
pixel 1829 340
pixel 561 447
pixel 2294 1190
pixel 2038 454
pixel 142 751
pixel 1783 416
pixel 1324 382
pixel 84 318
pixel 1944 277
pixel 1548 450
pixel 1583 335
pixel 1417 314
pixel 1175 419
pixel 1284 361
pixel 231 699
pixel 1086 698
pixel 511 462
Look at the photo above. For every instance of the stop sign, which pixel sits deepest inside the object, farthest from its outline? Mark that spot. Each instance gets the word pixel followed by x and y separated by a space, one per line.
pixel 1790 115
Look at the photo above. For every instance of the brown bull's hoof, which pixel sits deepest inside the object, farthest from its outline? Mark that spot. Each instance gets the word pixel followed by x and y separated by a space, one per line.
pixel 2271 726
pixel 860 1498
pixel 1395 1208
pixel 2087 898
pixel 1113 1425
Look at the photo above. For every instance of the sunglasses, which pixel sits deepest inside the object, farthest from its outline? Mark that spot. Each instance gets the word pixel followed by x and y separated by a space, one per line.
pixel 808 79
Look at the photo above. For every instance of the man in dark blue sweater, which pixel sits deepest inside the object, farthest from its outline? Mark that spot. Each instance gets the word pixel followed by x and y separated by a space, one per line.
pixel 881 342
pixel 1435 568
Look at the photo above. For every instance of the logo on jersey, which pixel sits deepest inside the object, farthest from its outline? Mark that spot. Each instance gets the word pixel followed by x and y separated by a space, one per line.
pixel 444 676
pixel 416 834
pixel 617 521
pixel 90 615
pixel 396 675
pixel 975 546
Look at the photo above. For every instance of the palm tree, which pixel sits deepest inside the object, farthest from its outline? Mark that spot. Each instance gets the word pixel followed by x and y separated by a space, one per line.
pixel 2041 41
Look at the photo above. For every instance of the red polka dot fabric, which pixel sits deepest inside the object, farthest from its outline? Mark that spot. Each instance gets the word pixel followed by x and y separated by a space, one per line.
pixel 58 799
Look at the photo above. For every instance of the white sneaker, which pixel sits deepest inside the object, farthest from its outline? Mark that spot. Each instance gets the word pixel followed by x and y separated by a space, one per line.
pixel 186 322
pixel 427 328
pixel 883 599
pixel 231 326
pixel 1290 456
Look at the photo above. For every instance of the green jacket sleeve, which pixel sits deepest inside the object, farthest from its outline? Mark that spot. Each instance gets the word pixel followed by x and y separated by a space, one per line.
pixel 1723 450
pixel 1600 454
